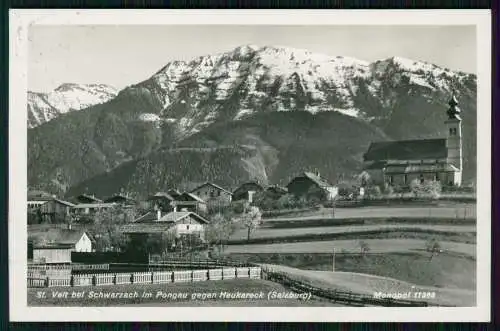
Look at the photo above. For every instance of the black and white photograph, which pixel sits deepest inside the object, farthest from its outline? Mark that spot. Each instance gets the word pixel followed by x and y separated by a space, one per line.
pixel 315 166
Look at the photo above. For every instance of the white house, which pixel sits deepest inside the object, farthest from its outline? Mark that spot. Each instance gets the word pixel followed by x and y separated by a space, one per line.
pixel 56 245
pixel 179 222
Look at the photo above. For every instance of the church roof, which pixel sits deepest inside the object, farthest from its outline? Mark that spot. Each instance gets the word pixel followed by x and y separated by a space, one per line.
pixel 407 150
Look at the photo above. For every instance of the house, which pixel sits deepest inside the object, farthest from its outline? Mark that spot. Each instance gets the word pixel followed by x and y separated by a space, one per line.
pixel 86 198
pixel 247 191
pixel 189 202
pixel 90 209
pixel 50 209
pixel 309 185
pixel 56 245
pixel 161 200
pixel 394 163
pixel 213 194
pixel 121 199
pixel 174 193
pixel 179 222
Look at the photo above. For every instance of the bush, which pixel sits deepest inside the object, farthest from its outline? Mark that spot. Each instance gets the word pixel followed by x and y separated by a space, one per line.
pixel 372 192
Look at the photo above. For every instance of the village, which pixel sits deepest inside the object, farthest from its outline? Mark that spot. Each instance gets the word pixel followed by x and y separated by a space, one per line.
pixel 409 200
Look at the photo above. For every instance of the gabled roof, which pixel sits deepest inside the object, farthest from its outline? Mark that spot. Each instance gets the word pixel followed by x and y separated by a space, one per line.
pixel 243 186
pixel 321 182
pixel 161 195
pixel 148 217
pixel 46 200
pixel 189 197
pixel 56 237
pixel 213 185
pixel 39 195
pixel 407 150
pixel 118 197
pixel 144 225
pixel 67 203
pixel 94 205
pixel 277 189
pixel 88 197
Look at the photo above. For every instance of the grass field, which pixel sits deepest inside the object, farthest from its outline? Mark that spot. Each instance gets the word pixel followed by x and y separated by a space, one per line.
pixel 443 270
pixel 459 211
pixel 184 292
pixel 368 284
pixel 264 232
pixel 351 246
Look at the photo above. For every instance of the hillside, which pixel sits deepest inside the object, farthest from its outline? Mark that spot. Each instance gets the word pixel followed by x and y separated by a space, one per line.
pixel 319 112
pixel 44 107
pixel 270 147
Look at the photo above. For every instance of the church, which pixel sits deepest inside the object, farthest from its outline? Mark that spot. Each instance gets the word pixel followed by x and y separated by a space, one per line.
pixel 398 163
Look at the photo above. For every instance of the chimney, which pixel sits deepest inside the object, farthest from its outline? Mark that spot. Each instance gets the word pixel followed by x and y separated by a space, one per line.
pixel 158 214
pixel 175 208
pixel 69 226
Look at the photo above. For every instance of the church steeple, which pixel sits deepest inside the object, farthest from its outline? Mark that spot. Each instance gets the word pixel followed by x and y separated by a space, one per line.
pixel 454 139
pixel 453 111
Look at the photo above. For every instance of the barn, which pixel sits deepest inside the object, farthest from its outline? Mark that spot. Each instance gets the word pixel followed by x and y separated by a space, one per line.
pixel 189 202
pixel 309 185
pixel 213 194
pixel 50 209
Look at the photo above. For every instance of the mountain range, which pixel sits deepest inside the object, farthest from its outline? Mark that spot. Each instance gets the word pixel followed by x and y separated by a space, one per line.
pixel 262 113
pixel 43 107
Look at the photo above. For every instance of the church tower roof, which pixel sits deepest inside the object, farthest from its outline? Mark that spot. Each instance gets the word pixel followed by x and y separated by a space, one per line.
pixel 453 111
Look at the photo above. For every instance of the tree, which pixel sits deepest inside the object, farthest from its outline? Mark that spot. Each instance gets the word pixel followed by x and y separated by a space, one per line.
pixel 106 227
pixel 373 192
pixel 433 246
pixel 364 247
pixel 251 219
pixel 431 189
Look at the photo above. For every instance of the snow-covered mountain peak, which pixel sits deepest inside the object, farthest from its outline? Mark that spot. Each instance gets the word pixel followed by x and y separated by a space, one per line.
pixel 43 107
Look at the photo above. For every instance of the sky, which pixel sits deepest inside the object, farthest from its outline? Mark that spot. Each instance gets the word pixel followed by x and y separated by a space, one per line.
pixel 123 55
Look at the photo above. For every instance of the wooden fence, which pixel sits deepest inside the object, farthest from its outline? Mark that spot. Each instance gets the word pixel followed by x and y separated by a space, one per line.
pixel 159 277
pixel 73 266
pixel 336 296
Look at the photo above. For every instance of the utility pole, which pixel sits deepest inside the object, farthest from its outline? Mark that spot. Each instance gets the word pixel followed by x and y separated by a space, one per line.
pixel 333 260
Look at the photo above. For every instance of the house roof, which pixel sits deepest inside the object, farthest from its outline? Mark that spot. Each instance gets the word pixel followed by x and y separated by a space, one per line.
pixel 148 225
pixel 148 217
pixel 173 192
pixel 56 236
pixel 53 246
pixel 38 195
pixel 94 205
pixel 161 195
pixel 46 200
pixel 407 150
pixel 420 168
pixel 151 227
pixel 321 182
pixel 277 189
pixel 243 187
pixel 89 197
pixel 189 197
pixel 213 185
pixel 118 197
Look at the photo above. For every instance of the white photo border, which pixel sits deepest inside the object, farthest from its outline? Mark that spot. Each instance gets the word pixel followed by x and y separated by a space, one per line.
pixel 22 19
